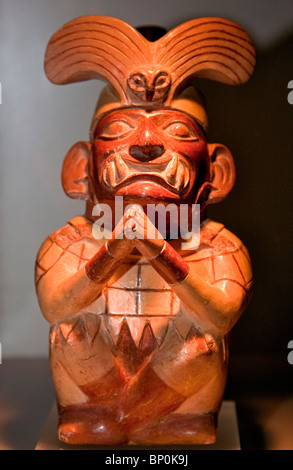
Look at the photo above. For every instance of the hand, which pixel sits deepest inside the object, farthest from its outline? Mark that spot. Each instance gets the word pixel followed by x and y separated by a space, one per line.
pixel 119 245
pixel 144 235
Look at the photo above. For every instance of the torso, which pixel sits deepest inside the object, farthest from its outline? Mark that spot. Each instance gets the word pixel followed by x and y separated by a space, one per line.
pixel 137 292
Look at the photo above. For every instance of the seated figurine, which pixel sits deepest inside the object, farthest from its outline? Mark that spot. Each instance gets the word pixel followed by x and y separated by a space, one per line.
pixel 138 345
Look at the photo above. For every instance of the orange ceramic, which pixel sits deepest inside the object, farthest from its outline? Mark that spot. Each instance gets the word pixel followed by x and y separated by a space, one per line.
pixel 138 344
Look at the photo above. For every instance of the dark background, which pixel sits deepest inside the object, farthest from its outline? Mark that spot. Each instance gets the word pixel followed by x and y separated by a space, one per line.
pixel 256 122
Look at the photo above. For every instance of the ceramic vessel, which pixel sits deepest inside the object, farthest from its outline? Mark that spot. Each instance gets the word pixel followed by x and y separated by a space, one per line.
pixel 139 323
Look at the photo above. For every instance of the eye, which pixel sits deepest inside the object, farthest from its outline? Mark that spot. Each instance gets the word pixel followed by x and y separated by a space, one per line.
pixel 137 82
pixel 115 130
pixel 162 80
pixel 180 130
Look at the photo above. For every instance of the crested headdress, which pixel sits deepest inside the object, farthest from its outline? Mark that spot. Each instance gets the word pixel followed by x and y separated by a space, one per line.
pixel 149 74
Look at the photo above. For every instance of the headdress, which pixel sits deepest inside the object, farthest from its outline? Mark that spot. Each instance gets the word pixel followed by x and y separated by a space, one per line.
pixel 150 74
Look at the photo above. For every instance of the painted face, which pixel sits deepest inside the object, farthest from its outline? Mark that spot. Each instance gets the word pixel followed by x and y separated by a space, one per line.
pixel 159 155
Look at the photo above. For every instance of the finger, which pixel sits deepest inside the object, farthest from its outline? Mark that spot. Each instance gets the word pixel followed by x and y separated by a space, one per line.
pixel 130 229
pixel 149 248
pixel 133 211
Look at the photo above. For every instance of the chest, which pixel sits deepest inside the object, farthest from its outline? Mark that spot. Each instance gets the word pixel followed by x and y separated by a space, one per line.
pixel 137 289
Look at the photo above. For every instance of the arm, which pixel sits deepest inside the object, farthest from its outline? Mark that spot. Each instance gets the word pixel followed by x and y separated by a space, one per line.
pixel 65 289
pixel 218 298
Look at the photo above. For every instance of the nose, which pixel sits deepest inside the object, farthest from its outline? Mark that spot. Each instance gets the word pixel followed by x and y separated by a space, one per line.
pixel 146 152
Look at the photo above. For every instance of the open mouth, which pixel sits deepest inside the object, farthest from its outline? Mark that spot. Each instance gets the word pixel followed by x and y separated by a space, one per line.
pixel 174 172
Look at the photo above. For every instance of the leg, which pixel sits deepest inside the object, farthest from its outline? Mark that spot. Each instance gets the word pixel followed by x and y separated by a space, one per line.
pixel 87 380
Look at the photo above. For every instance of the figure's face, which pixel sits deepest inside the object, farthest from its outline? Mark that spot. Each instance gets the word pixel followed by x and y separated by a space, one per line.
pixel 149 156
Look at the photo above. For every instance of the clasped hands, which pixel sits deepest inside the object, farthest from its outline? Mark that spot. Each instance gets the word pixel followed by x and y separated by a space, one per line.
pixel 135 230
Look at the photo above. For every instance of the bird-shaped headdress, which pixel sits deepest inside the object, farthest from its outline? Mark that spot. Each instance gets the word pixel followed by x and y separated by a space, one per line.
pixel 150 74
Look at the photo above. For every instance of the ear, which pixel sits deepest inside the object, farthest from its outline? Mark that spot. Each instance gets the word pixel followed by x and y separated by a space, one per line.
pixel 75 171
pixel 222 172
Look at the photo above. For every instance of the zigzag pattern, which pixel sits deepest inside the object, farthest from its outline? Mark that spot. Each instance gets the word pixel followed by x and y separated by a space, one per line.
pixel 90 335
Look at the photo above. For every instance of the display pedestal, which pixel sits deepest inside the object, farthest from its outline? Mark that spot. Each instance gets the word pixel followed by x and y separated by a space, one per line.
pixel 228 435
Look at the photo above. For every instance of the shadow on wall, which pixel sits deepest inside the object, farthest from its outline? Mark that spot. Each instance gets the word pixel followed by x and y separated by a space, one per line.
pixel 256 121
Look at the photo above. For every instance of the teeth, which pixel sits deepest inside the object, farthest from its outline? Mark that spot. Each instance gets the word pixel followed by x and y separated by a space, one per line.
pixel 121 167
pixel 171 170
pixel 180 177
pixel 176 173
pixel 112 173
pixel 186 177
pixel 115 171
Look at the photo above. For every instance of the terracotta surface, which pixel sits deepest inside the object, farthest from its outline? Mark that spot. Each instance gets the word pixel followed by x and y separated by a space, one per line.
pixel 138 343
